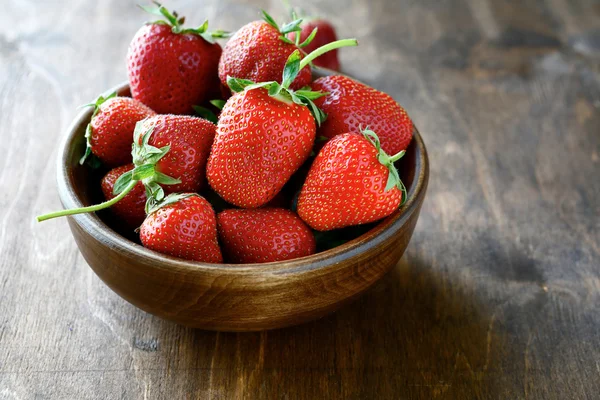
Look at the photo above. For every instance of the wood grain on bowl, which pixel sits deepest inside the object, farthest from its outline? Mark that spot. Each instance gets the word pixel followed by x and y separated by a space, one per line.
pixel 229 297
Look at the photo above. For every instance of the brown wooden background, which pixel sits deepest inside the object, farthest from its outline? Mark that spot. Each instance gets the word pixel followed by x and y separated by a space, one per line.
pixel 497 296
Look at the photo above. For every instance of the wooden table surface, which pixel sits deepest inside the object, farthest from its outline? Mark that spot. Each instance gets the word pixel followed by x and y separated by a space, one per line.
pixel 497 296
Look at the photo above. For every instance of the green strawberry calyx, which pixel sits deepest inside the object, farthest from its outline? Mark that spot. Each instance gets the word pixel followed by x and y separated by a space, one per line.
pixel 387 161
pixel 145 158
pixel 294 15
pixel 290 27
pixel 282 92
pixel 88 130
pixel 176 22
pixel 170 199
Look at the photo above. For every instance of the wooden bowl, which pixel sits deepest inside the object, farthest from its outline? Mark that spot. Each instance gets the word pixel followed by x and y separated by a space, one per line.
pixel 228 297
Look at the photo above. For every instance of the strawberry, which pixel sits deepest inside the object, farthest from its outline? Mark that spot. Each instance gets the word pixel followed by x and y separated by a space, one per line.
pixel 252 158
pixel 109 135
pixel 172 68
pixel 189 140
pixel 351 106
pixel 325 34
pixel 265 133
pixel 258 52
pixel 130 209
pixel 185 145
pixel 184 226
pixel 263 235
pixel 352 181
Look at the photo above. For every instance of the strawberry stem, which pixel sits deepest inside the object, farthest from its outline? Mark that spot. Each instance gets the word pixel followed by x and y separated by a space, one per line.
pixel 95 207
pixel 388 162
pixel 397 156
pixel 325 48
pixel 145 157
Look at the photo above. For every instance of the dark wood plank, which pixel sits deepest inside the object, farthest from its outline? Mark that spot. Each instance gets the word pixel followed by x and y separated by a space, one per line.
pixel 496 296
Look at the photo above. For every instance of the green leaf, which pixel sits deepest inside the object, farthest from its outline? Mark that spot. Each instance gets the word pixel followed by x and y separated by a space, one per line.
pixel 387 161
pixel 171 17
pixel 296 99
pixel 149 150
pixel 374 139
pixel 88 129
pixel 238 85
pixel 274 89
pixel 310 95
pixel 204 35
pixel 309 39
pixel 269 19
pixel 143 172
pixel 161 11
pixel 158 194
pixel 176 23
pixel 88 144
pixel 293 26
pixel 220 34
pixel 265 85
pixel 153 158
pixel 291 69
pixel 203 28
pixel 122 182
pixel 391 182
pixel 173 198
pixel 286 40
pixel 218 103
pixel 165 179
pixel 156 191
pixel 317 113
pixel 154 10
pixel 206 114
pixel 404 192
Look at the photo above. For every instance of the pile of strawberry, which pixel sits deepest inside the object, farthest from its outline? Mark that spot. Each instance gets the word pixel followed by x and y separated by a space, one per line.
pixel 263 125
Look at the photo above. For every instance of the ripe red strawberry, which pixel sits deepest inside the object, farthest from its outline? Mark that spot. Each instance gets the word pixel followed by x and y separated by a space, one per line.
pixel 260 143
pixel 325 34
pixel 351 182
pixel 258 51
pixel 190 139
pixel 263 235
pixel 131 208
pixel 265 133
pixel 180 162
pixel 110 132
pixel 351 106
pixel 171 68
pixel 184 226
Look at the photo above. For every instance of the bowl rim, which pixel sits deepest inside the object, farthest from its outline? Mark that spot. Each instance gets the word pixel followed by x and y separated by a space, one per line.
pixel 91 223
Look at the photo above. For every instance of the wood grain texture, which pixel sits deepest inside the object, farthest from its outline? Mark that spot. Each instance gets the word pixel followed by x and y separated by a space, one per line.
pixel 497 295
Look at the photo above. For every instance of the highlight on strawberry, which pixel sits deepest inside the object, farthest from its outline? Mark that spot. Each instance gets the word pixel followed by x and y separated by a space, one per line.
pixel 265 132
